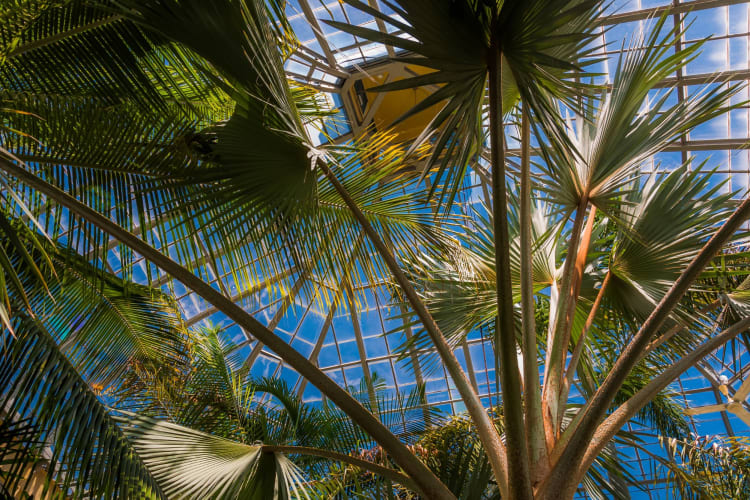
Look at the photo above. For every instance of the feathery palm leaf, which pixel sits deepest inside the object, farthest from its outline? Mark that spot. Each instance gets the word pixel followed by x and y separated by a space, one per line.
pixel 79 332
pixel 16 260
pixel 105 326
pixel 706 467
pixel 263 143
pixel 89 454
pixel 77 48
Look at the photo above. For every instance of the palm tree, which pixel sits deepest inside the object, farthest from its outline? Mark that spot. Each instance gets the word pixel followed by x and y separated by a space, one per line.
pixel 183 133
pixel 215 412
pixel 588 165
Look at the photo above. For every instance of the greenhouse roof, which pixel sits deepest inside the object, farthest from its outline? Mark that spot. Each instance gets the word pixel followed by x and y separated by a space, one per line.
pixel 357 339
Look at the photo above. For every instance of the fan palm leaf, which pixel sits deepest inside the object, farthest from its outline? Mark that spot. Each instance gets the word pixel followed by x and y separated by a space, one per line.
pixel 613 139
pixel 663 223
pixel 459 286
pixel 192 464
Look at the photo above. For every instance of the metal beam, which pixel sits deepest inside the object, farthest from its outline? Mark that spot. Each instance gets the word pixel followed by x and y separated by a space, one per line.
pixel 275 320
pixel 676 8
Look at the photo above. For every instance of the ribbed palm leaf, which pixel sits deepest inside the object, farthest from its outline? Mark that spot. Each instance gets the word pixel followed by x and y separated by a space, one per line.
pixel 15 257
pixel 89 454
pixel 664 220
pixel 78 332
pixel 192 464
pixel 612 139
pixel 47 49
pixel 261 149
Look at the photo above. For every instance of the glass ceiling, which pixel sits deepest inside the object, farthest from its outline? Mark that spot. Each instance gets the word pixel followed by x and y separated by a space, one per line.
pixel 350 345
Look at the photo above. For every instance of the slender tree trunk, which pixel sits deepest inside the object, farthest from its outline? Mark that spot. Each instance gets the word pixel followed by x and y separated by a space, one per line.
pixel 485 427
pixel 632 406
pixel 532 389
pixel 428 483
pixel 578 349
pixel 575 290
pixel 558 341
pixel 505 336
pixel 562 478
pixel 574 359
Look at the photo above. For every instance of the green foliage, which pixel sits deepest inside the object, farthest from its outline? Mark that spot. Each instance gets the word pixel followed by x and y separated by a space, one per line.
pixel 75 332
pixel 541 42
pixel 706 467
pixel 612 136
pixel 455 454
pixel 192 464
pixel 88 454
pixel 176 120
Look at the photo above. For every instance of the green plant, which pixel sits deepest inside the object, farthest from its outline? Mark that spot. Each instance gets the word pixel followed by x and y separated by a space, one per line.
pixel 170 128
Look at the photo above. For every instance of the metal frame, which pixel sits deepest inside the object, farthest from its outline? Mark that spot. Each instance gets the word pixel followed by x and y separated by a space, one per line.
pixel 328 70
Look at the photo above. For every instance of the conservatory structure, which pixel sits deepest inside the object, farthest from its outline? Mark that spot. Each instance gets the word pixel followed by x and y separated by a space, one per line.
pixel 410 249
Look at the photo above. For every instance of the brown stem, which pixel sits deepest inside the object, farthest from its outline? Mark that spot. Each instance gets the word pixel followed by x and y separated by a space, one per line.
pixel 578 349
pixel 575 290
pixel 565 438
pixel 558 344
pixel 505 336
pixel 485 427
pixel 428 483
pixel 561 480
pixel 632 406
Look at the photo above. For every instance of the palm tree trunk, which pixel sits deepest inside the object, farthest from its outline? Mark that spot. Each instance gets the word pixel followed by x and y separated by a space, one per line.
pixel 505 336
pixel 575 290
pixel 562 476
pixel 578 349
pixel 532 390
pixel 428 483
pixel 558 340
pixel 485 427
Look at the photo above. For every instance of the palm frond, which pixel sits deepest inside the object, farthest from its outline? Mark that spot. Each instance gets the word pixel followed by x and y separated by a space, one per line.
pixel 459 285
pixel 453 451
pixel 76 48
pixel 706 467
pixel 88 454
pixel 613 138
pixel 663 223
pixel 192 464
pixel 541 43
